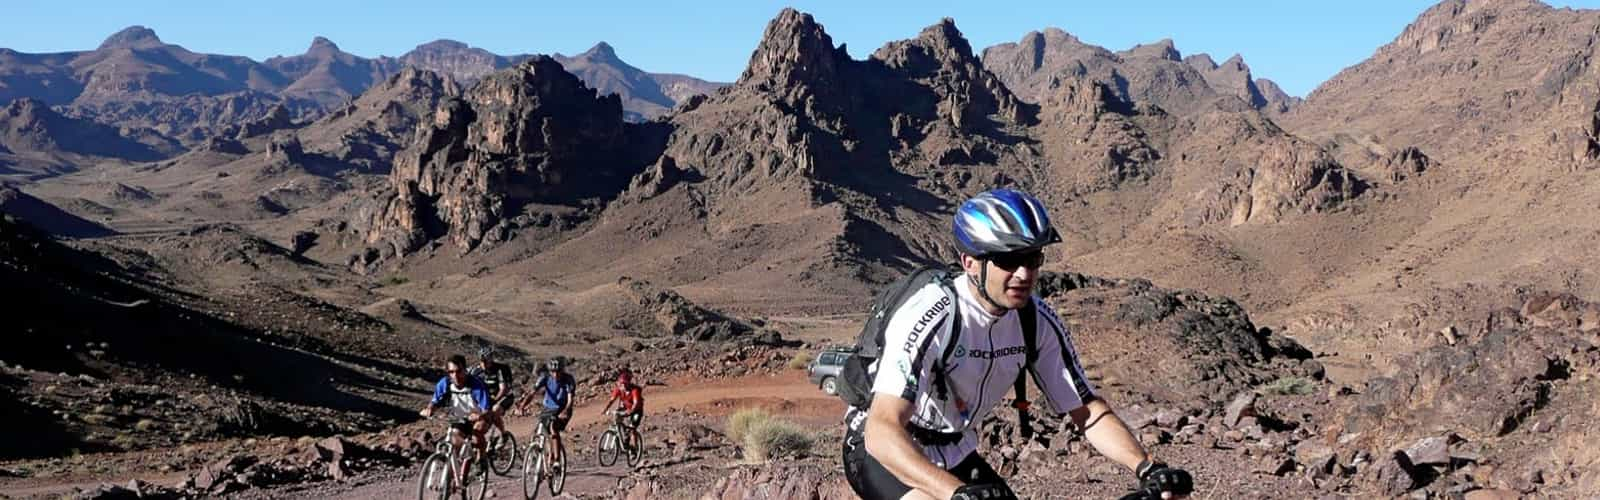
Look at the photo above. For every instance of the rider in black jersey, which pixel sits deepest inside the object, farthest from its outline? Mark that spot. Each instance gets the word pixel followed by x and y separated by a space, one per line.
pixel 497 378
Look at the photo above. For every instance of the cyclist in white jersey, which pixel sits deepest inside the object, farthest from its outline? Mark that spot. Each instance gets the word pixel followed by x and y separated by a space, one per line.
pixel 918 438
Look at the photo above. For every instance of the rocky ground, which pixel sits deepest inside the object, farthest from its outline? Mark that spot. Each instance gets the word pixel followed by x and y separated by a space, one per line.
pixel 1252 413
pixel 247 291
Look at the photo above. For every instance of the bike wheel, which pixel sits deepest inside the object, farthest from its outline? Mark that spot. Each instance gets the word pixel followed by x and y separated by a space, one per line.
pixel 503 453
pixel 609 448
pixel 435 480
pixel 635 447
pixel 558 477
pixel 532 468
pixel 475 483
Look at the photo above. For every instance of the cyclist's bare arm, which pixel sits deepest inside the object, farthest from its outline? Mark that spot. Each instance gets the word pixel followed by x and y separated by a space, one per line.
pixel 889 442
pixel 1108 434
pixel 427 411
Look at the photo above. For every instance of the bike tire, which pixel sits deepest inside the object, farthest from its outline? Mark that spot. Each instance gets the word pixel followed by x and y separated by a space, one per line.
pixel 558 479
pixel 636 450
pixel 435 480
pixel 532 464
pixel 476 482
pixel 609 448
pixel 502 455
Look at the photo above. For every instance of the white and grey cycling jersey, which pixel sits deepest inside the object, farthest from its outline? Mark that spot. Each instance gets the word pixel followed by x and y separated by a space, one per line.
pixel 980 371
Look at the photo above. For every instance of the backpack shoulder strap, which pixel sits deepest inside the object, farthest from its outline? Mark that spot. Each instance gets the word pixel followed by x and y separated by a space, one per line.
pixel 947 282
pixel 952 337
pixel 1029 317
pixel 869 343
pixel 1030 331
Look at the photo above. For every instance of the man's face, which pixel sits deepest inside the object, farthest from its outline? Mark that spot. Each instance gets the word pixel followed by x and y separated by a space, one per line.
pixel 458 374
pixel 1011 276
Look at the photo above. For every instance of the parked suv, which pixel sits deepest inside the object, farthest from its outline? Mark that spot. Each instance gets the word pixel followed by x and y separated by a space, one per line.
pixel 825 368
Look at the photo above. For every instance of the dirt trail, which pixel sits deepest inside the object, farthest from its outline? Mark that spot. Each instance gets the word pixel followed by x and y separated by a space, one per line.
pixel 789 391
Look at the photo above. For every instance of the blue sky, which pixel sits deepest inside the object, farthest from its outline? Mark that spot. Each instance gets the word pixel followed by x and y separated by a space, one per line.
pixel 1295 43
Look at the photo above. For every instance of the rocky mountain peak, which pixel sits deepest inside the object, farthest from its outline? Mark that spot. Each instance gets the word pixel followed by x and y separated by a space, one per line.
pixel 1201 61
pixel 941 59
pixel 794 51
pixel 945 38
pixel 132 37
pixel 1163 49
pixel 601 52
pixel 1455 21
pixel 322 47
pixel 441 45
pixel 1235 63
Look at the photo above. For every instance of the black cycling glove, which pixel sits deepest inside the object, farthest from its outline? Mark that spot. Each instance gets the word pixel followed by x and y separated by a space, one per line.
pixel 1158 477
pixel 984 492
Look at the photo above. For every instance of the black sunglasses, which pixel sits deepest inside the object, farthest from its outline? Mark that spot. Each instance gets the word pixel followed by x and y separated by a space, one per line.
pixel 1011 261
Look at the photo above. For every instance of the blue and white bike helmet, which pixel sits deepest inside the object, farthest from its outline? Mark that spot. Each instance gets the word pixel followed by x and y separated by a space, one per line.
pixel 1002 221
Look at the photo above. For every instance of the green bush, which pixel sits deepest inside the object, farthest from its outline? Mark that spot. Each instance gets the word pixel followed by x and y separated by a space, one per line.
pixel 1298 386
pixel 396 280
pixel 776 439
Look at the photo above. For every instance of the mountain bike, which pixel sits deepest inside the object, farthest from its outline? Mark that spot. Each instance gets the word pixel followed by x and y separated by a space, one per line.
pixel 621 437
pixel 536 466
pixel 444 472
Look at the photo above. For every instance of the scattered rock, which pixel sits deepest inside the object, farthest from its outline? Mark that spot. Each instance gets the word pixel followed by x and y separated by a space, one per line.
pixel 1491 494
pixel 1278 466
pixel 333 448
pixel 337 470
pixel 1169 419
pixel 1242 406
pixel 1392 476
pixel 1430 451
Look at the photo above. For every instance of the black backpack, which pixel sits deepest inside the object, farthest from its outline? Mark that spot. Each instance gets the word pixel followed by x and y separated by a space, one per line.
pixel 855 378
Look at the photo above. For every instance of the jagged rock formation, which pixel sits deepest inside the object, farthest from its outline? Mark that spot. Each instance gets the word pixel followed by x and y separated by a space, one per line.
pixel 921 104
pixel 848 164
pixel 1278 101
pixel 277 119
pixel 1253 171
pixel 1152 73
pixel 1378 162
pixel 534 134
pixel 366 134
pixel 1212 349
